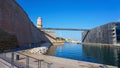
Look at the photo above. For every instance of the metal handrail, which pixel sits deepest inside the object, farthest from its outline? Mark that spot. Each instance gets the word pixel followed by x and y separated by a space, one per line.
pixel 12 61
pixel 5 63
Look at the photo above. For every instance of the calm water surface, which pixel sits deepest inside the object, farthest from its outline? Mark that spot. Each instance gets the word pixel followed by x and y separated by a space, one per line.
pixel 97 54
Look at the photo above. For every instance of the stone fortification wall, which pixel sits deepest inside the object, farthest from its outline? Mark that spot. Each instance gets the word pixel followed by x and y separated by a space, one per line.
pixel 14 20
pixel 7 41
pixel 50 35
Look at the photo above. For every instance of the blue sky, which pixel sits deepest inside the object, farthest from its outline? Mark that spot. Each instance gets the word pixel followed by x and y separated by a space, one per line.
pixel 72 13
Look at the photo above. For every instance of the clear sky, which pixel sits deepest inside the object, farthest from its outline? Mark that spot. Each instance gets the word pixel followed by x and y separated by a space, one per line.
pixel 72 13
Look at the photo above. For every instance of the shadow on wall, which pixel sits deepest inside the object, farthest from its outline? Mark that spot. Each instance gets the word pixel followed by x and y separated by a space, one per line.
pixel 50 36
pixel 7 41
pixel 10 43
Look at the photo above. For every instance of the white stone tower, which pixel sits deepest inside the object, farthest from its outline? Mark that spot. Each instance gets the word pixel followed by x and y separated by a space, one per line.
pixel 39 22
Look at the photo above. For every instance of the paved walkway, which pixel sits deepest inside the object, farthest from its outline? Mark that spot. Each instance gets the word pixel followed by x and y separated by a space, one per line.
pixel 4 64
pixel 66 63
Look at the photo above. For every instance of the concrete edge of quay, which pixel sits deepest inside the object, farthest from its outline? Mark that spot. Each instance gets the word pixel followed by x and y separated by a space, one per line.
pixel 111 45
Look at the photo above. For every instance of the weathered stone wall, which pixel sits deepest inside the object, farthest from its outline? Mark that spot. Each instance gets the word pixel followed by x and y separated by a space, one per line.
pixel 50 35
pixel 7 41
pixel 14 20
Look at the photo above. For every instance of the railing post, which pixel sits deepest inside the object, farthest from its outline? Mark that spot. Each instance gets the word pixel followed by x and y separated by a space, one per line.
pixel 39 63
pixel 17 57
pixel 27 61
pixel 49 65
pixel 12 60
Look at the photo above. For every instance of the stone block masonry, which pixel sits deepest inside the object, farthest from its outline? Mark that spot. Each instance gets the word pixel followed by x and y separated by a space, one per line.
pixel 15 21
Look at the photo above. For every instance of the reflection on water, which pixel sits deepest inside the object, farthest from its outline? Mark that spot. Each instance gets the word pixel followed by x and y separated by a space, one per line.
pixel 97 54
pixel 118 64
pixel 101 54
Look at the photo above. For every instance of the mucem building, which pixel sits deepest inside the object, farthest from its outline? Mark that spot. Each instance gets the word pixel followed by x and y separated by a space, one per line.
pixel 105 34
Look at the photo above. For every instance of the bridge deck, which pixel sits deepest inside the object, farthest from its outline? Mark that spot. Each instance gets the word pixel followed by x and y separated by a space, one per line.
pixel 70 29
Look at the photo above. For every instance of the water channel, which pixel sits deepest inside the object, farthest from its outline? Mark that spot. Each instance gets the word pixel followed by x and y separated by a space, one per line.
pixel 90 53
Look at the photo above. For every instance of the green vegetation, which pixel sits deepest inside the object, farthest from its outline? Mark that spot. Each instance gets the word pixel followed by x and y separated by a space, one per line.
pixel 60 39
